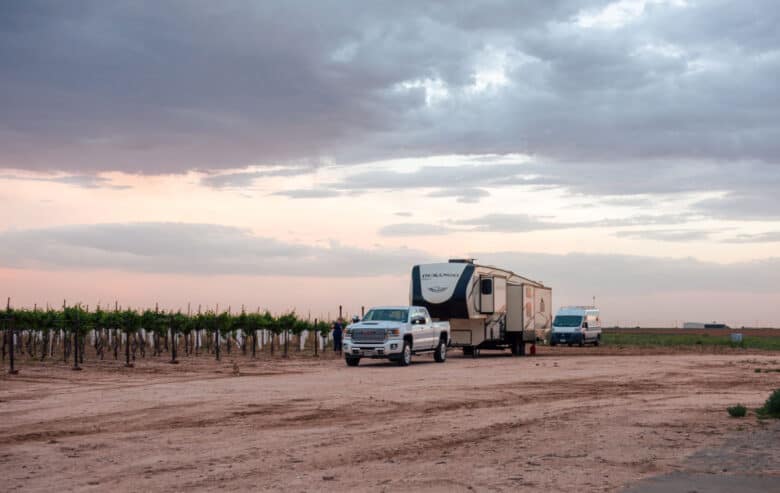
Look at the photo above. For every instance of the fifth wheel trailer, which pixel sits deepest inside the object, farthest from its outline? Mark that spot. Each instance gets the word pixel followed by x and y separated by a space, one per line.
pixel 487 307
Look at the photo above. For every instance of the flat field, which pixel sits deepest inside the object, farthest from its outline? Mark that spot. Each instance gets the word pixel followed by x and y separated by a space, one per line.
pixel 568 419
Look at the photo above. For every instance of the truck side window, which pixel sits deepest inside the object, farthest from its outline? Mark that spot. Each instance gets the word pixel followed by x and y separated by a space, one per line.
pixel 486 286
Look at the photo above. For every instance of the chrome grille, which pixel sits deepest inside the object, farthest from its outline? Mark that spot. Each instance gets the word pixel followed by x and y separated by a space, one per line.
pixel 368 335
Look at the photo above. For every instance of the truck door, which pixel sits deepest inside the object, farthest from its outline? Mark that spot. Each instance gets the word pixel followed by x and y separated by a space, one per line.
pixel 432 336
pixel 421 329
pixel 486 295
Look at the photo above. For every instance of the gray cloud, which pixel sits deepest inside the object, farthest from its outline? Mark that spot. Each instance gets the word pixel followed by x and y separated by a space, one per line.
pixel 683 235
pixel 414 229
pixel 463 195
pixel 523 223
pixel 82 181
pixel 198 249
pixel 614 275
pixel 245 179
pixel 309 193
pixel 681 99
pixel 768 237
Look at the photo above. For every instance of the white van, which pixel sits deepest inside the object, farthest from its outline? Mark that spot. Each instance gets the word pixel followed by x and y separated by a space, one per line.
pixel 576 325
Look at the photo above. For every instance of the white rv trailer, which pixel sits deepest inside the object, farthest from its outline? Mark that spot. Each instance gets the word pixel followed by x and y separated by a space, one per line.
pixel 487 307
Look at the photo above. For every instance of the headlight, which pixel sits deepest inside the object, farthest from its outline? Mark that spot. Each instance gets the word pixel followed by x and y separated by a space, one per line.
pixel 390 333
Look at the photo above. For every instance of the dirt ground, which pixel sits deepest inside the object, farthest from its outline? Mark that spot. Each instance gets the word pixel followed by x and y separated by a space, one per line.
pixel 568 419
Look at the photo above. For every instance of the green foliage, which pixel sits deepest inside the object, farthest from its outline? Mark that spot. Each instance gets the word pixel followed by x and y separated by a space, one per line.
pixel 682 339
pixel 738 411
pixel 772 406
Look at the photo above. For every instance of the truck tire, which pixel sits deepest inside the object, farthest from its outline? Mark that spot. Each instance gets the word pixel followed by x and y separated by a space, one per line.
pixel 406 355
pixel 440 355
pixel 475 352
pixel 353 361
pixel 597 341
pixel 582 341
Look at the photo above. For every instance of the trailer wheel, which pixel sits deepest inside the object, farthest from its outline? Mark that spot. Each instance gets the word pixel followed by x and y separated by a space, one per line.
pixel 353 361
pixel 440 355
pixel 515 347
pixel 406 355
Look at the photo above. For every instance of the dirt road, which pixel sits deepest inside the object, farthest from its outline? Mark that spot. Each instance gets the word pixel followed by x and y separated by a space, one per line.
pixel 562 421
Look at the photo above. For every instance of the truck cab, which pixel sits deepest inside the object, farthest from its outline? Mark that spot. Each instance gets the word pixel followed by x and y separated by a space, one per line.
pixel 396 333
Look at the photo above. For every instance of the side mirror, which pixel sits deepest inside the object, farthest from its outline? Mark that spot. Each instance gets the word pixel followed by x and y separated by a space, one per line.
pixel 418 321
pixel 585 325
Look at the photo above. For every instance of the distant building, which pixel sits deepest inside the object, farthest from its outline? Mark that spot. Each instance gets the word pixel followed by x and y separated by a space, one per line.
pixel 699 325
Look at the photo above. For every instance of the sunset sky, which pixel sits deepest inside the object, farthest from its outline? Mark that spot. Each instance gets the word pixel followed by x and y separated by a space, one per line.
pixel 302 155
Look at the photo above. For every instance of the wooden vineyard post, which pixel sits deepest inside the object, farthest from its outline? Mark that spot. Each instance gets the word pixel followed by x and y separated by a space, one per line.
pixel 173 340
pixel 316 335
pixel 76 366
pixel 9 335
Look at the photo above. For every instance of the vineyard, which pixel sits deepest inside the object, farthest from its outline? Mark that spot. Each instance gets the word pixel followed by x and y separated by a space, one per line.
pixel 129 333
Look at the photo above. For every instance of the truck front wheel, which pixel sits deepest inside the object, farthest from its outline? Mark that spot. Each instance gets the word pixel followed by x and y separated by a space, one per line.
pixel 353 361
pixel 406 355
pixel 440 355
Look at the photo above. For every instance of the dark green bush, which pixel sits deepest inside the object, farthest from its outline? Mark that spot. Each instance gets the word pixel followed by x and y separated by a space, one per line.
pixel 772 405
pixel 738 411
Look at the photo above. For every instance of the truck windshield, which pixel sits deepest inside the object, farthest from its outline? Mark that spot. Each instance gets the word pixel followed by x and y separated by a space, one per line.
pixel 567 321
pixel 391 315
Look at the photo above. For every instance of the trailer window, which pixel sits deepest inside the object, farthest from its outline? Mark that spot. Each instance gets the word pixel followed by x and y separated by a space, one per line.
pixel 486 286
pixel 567 321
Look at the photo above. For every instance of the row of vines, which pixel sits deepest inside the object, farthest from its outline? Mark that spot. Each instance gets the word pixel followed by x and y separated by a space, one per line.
pixel 130 333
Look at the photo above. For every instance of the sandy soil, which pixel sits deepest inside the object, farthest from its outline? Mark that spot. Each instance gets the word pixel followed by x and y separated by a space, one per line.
pixel 566 420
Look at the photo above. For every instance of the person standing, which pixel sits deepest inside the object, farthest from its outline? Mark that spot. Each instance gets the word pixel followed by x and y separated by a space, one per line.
pixel 337 330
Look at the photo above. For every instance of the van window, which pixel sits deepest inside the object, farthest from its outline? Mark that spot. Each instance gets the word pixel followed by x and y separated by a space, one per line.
pixel 567 321
pixel 486 286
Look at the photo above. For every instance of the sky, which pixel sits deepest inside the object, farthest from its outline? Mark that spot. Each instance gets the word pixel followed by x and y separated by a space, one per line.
pixel 305 155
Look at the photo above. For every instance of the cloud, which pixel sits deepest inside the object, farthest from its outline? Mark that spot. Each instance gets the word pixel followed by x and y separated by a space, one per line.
pixel 608 274
pixel 309 193
pixel 82 181
pixel 609 97
pixel 680 235
pixel 523 223
pixel 510 223
pixel 197 249
pixel 414 229
pixel 463 195
pixel 767 237
pixel 245 179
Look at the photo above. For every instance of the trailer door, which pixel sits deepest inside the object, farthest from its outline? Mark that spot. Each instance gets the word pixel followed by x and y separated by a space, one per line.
pixel 486 295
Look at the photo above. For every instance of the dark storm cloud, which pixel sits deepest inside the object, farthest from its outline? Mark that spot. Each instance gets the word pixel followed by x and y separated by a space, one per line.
pixel 198 249
pixel 679 99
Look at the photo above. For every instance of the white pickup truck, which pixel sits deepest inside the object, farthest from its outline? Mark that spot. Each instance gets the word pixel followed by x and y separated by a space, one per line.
pixel 396 333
